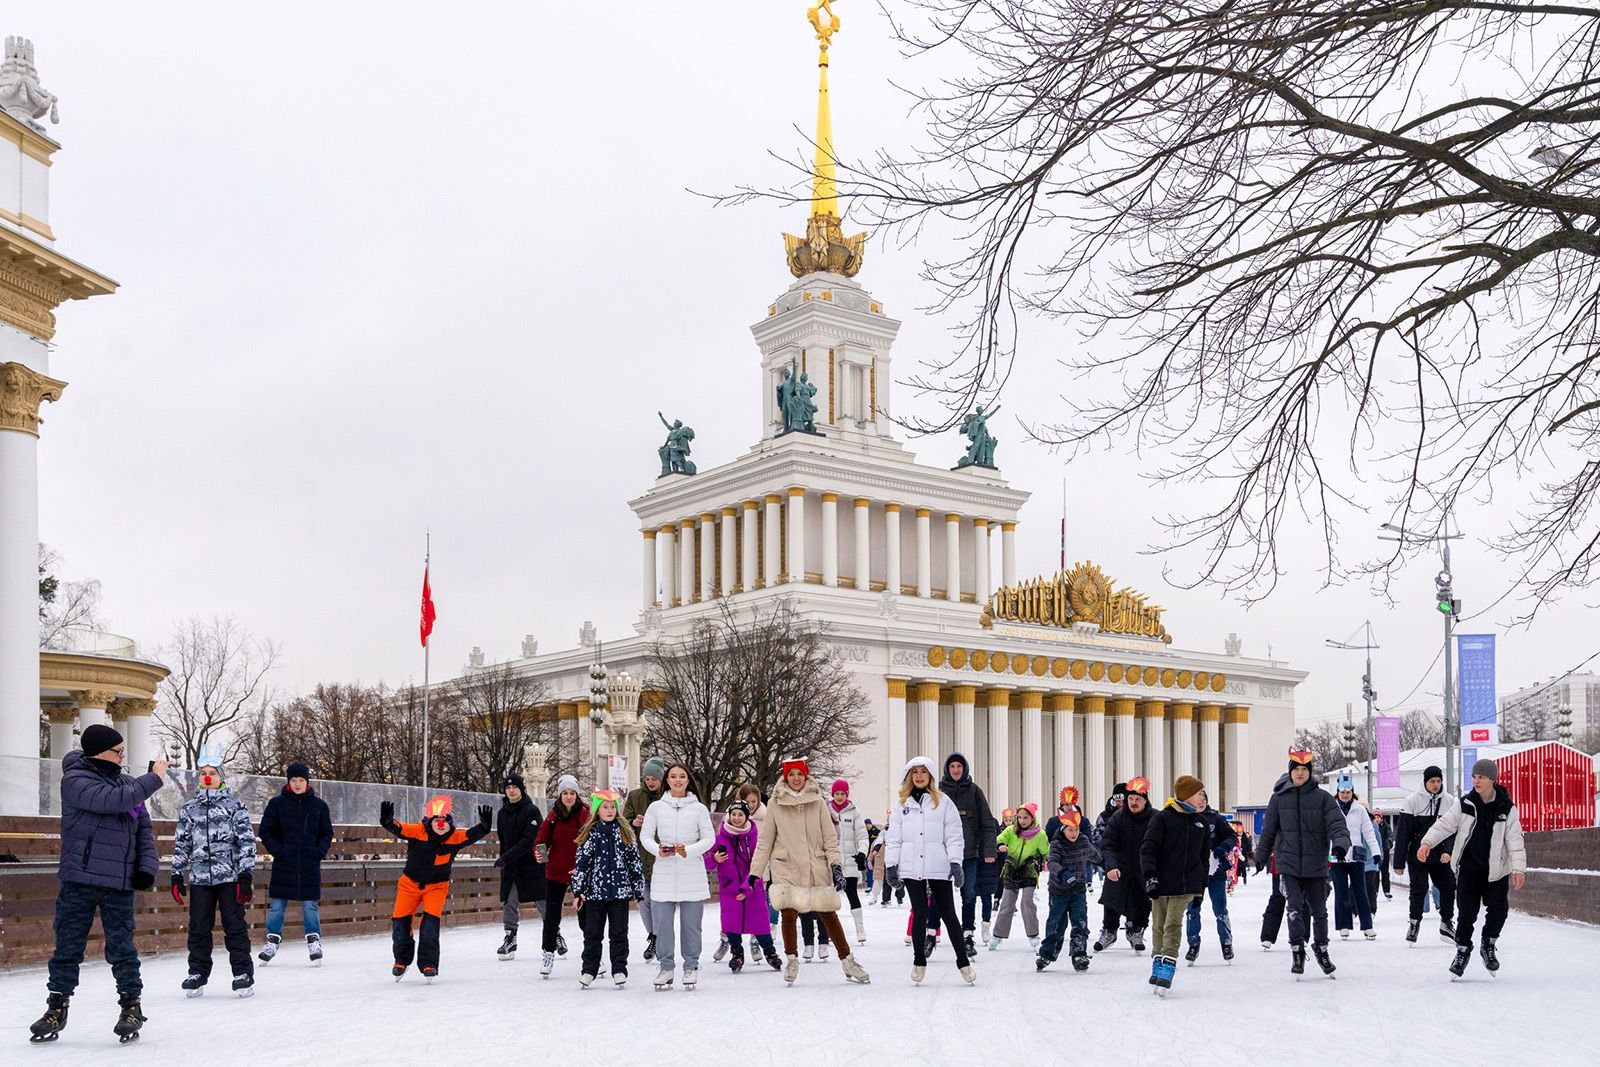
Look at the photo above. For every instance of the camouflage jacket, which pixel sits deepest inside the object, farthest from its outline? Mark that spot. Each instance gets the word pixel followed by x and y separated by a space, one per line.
pixel 214 841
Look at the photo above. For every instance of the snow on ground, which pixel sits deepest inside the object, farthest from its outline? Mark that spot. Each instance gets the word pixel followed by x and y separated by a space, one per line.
pixel 1389 1004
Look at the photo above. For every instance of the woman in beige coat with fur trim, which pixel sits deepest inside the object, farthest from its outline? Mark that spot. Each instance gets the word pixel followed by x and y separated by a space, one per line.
pixel 799 848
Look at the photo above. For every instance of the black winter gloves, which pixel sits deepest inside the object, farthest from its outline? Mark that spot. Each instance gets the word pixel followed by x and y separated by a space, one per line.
pixel 143 880
pixel 956 875
pixel 838 878
pixel 244 890
pixel 385 813
pixel 179 887
pixel 893 874
pixel 1151 885
pixel 861 861
pixel 1339 852
pixel 486 817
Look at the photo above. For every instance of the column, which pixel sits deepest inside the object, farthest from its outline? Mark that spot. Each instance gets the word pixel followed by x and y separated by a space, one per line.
pixel 22 390
pixel 1061 707
pixel 649 569
pixel 830 539
pixel 1033 789
pixel 1182 715
pixel 1236 724
pixel 980 543
pixel 91 704
pixel 1155 744
pixel 952 558
pixel 1096 787
pixel 708 556
pixel 891 548
pixel 928 721
pixel 898 754
pixel 797 534
pixel 141 745
pixel 1008 555
pixel 963 698
pixel 63 717
pixel 998 782
pixel 686 558
pixel 669 565
pixel 1125 761
pixel 1211 747
pixel 863 566
pixel 772 537
pixel 728 580
pixel 749 540
pixel 924 555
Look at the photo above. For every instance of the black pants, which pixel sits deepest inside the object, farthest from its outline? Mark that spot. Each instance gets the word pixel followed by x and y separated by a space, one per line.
pixel 1308 905
pixel 808 927
pixel 76 905
pixel 427 954
pixel 850 893
pixel 1475 888
pixel 944 902
pixel 555 895
pixel 1442 877
pixel 1272 917
pixel 597 914
pixel 1374 880
pixel 204 903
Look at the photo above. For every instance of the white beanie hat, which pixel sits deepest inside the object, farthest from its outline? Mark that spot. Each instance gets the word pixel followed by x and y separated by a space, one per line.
pixel 920 761
pixel 566 782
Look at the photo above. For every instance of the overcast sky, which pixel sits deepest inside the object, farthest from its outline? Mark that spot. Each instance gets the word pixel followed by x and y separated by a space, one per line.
pixel 384 271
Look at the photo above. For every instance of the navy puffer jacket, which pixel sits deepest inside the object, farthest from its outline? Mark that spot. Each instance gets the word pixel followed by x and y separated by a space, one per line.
pixel 105 831
pixel 298 831
pixel 1303 824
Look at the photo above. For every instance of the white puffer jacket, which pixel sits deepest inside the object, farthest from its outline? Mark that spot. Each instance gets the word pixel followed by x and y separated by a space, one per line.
pixel 1506 852
pixel 678 821
pixel 852 838
pixel 924 837
pixel 1362 834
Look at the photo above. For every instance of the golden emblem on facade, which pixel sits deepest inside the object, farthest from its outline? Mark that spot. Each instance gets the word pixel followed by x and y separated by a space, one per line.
pixel 1082 594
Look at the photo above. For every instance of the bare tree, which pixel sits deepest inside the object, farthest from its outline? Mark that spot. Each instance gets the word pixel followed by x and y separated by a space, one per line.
pixel 1421 728
pixel 219 674
pixel 1326 739
pixel 64 605
pixel 744 694
pixel 499 703
pixel 1344 242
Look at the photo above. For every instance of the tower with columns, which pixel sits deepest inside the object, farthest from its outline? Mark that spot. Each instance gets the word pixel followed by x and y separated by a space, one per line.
pixel 35 279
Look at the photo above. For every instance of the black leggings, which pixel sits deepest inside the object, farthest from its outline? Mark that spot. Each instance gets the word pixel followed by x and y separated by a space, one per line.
pixel 555 895
pixel 850 893
pixel 944 901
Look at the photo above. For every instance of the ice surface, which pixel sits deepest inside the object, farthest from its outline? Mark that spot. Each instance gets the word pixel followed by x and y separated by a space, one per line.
pixel 1390 1004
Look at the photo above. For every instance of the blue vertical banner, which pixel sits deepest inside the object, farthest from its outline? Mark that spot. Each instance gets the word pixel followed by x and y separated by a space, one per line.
pixel 1478 705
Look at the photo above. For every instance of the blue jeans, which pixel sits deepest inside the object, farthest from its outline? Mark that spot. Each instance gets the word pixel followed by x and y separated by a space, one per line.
pixel 1350 895
pixel 310 916
pixel 76 905
pixel 1217 890
pixel 1065 906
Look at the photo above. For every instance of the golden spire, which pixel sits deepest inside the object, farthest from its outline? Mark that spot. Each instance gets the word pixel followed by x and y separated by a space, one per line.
pixel 824 247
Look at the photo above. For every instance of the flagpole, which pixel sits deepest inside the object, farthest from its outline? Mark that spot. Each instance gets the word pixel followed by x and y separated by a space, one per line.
pixel 1063 523
pixel 427 557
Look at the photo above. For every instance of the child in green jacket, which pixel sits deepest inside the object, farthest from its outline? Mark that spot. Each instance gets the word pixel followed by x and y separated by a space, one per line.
pixel 1024 849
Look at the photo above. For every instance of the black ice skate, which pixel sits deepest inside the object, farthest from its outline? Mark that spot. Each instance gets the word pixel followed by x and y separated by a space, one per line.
pixel 1297 957
pixel 736 964
pixel 1490 960
pixel 1136 939
pixel 773 961
pixel 314 949
pixel 508 947
pixel 244 985
pixel 1323 959
pixel 429 973
pixel 194 986
pixel 1106 939
pixel 398 970
pixel 650 948
pixel 129 1020
pixel 1411 930
pixel 1193 953
pixel 1458 966
pixel 1447 931
pixel 561 946
pixel 1227 951
pixel 270 949
pixel 53 1021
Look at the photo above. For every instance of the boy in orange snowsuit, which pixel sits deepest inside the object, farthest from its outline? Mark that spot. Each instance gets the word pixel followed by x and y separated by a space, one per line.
pixel 431 847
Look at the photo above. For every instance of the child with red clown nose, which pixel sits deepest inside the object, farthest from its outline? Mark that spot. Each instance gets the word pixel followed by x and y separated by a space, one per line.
pixel 431 847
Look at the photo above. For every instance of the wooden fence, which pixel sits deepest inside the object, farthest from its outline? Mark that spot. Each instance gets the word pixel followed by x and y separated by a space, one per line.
pixel 358 885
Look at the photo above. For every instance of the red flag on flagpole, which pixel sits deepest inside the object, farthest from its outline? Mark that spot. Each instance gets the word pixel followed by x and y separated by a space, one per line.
pixel 428 614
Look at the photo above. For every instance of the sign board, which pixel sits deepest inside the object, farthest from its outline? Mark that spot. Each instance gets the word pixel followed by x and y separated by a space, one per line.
pixel 1473 735
pixel 1479 707
pixel 617 773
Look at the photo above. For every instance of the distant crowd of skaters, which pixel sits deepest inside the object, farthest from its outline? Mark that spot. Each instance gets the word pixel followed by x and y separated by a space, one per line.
pixel 784 866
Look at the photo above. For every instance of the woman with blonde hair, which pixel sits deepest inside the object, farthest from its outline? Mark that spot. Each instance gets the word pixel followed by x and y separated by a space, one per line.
pixel 924 851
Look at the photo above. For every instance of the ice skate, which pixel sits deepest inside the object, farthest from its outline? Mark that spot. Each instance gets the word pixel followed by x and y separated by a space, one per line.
pixel 772 959
pixel 1458 966
pixel 969 975
pixel 398 970
pixel 586 980
pixel 1136 939
pixel 244 985
pixel 737 963
pixel 690 977
pixel 314 949
pixel 1266 946
pixel 664 979
pixel 270 949
pixel 722 950
pixel 1227 951
pixel 1297 957
pixel 619 979
pixel 930 946
pixel 918 973
pixel 1193 953
pixel 1323 959
pixel 129 1020
pixel 1447 931
pixel 1033 943
pixel 561 945
pixel 1411 930
pixel 1370 935
pixel 985 929
pixel 547 964
pixel 971 943
pixel 791 969
pixel 508 947
pixel 822 950
pixel 861 926
pixel 1486 951
pixel 1344 935
pixel 428 974
pixel 53 1021
pixel 1106 939
pixel 650 948
pixel 194 986
pixel 1080 962
pixel 808 952
pixel 994 943
pixel 854 972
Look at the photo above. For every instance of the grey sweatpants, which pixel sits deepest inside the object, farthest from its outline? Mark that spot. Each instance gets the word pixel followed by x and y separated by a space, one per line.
pixel 1008 908
pixel 508 911
pixel 688 913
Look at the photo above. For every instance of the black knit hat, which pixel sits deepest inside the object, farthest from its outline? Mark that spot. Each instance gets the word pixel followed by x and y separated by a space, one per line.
pixel 99 738
pixel 514 779
pixel 739 805
pixel 1430 772
pixel 297 770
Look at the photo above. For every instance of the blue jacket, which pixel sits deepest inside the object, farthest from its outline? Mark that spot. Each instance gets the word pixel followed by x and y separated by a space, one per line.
pixel 105 831
pixel 606 868
pixel 297 830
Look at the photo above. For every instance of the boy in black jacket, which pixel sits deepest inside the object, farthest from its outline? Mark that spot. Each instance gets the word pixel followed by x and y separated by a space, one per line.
pixel 1173 863
pixel 1072 857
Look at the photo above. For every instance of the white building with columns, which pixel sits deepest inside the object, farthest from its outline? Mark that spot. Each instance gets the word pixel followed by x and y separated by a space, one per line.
pixel 913 569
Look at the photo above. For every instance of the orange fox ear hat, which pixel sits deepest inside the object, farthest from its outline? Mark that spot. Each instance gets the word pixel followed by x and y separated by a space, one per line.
pixel 437 808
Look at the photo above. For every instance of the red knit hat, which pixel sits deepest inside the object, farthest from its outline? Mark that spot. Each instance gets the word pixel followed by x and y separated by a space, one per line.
pixel 840 786
pixel 795 765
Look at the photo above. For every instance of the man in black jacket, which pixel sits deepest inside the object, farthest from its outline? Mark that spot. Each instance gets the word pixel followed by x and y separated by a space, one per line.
pixel 1417 816
pixel 1303 824
pixel 1123 894
pixel 979 828
pixel 521 874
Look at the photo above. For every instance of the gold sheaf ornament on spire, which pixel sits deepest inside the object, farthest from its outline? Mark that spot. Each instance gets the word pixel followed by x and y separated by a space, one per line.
pixel 824 247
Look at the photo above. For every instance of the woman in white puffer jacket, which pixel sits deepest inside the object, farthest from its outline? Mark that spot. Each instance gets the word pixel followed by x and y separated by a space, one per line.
pixel 925 848
pixel 677 832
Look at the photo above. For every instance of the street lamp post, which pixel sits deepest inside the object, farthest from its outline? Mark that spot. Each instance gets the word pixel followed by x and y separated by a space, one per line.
pixel 1449 607
pixel 1564 724
pixel 1369 694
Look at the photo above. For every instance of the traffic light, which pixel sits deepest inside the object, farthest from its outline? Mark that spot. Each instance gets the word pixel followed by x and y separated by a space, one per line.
pixel 1444 599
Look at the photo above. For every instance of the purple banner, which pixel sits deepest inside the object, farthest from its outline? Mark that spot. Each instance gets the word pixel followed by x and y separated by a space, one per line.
pixel 1387 730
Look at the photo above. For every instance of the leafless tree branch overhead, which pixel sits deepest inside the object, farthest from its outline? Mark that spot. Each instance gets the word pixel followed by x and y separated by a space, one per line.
pixel 1315 246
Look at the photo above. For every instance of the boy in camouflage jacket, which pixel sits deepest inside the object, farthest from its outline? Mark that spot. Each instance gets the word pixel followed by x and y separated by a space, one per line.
pixel 213 859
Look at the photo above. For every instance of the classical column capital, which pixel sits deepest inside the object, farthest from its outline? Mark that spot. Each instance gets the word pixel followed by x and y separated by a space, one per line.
pixel 1210 712
pixel 729 513
pixel 923 513
pixel 1154 709
pixel 649 535
pixel 951 516
pixel 22 390
pixel 964 694
pixel 862 502
pixel 127 707
pixel 1063 701
pixel 981 524
pixel 1236 713
pixel 708 519
pixel 797 490
pixel 892 509
pixel 1091 704
pixel 997 697
pixel 897 688
pixel 1007 527
pixel 773 498
pixel 927 691
pixel 1033 700
pixel 1182 710
pixel 1123 706
pixel 60 712
pixel 830 498
pixel 93 698
pixel 751 505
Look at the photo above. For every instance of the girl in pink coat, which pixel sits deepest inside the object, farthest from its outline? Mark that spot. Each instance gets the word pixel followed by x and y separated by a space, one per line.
pixel 743 904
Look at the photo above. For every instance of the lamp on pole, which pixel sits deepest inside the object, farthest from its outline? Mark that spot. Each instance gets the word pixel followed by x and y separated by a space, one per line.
pixel 1564 724
pixel 1369 694
pixel 1446 604
pixel 598 719
pixel 623 692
